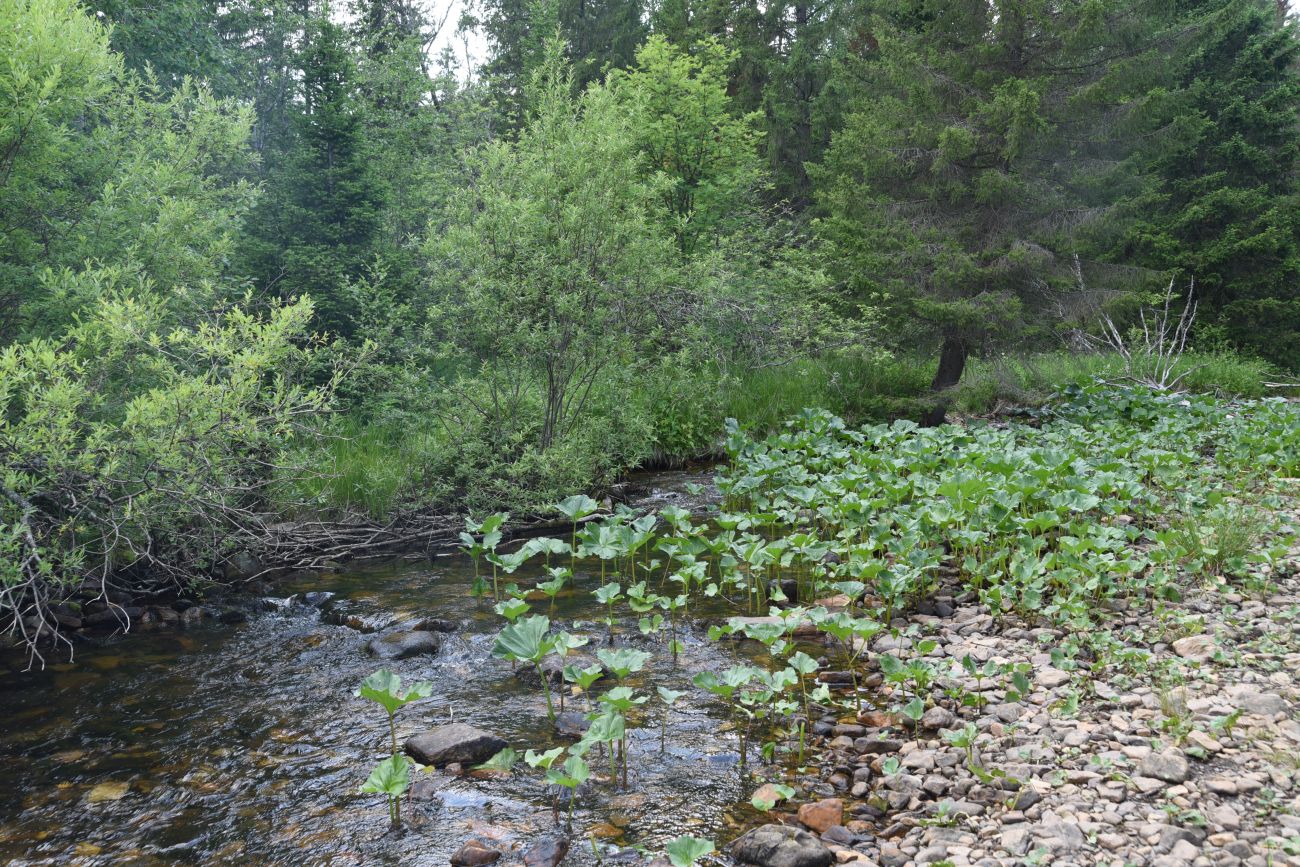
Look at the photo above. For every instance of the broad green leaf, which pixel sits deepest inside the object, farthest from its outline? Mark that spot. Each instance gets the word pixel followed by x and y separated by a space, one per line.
pixel 390 777
pixel 685 851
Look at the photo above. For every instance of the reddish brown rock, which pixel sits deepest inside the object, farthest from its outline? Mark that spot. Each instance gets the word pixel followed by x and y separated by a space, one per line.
pixel 475 853
pixel 820 815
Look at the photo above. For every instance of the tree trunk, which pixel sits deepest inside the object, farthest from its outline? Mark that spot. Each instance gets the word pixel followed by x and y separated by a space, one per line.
pixel 952 361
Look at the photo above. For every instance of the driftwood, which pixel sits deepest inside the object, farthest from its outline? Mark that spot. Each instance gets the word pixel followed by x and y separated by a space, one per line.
pixel 316 544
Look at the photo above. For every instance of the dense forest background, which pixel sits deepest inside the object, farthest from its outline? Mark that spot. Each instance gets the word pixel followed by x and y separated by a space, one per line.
pixel 267 260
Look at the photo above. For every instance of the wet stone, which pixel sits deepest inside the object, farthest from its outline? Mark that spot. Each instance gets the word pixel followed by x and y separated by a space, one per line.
pixel 403 645
pixel 473 854
pixel 547 852
pixel 456 743
pixel 781 846
pixel 572 724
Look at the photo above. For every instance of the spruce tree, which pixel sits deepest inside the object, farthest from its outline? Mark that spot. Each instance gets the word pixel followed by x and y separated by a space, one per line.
pixel 313 228
pixel 981 139
pixel 1221 206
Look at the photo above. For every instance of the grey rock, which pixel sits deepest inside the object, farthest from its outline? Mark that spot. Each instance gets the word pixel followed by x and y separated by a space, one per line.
pixel 1015 840
pixel 781 846
pixel 1060 836
pixel 1169 766
pixel 455 743
pixel 1196 648
pixel 403 645
pixel 937 718
pixel 1267 704
pixel 572 724
pixel 1007 712
pixel 877 746
pixel 1171 835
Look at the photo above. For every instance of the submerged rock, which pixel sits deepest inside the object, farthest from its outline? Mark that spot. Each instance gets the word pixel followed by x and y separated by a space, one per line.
pixel 547 852
pixel 553 668
pixel 361 616
pixel 781 846
pixel 572 724
pixel 455 743
pixel 474 853
pixel 402 645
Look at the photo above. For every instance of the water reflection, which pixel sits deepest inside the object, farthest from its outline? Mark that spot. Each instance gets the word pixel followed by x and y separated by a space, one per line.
pixel 244 743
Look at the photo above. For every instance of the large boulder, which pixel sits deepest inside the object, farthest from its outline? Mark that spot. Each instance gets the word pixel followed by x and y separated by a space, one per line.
pixel 457 743
pixel 781 846
pixel 402 645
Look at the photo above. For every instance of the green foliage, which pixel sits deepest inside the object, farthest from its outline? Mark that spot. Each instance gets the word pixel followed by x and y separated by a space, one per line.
pixel 964 149
pixel 110 184
pixel 547 267
pixel 1221 153
pixel 313 229
pixel 683 126
pixel 385 688
pixel 127 444
pixel 391 778
pixel 685 851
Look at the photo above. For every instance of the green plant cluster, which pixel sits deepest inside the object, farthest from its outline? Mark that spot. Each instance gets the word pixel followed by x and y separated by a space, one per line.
pixel 838 531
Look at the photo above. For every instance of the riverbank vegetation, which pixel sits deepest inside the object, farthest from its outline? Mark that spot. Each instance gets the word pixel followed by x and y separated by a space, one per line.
pixel 872 564
pixel 265 263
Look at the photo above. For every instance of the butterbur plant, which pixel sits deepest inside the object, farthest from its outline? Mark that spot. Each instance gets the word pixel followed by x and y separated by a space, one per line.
pixel 569 775
pixel 390 778
pixel 385 688
pixel 527 641
pixel 576 508
pixel 685 851
pixel 763 804
pixel 669 698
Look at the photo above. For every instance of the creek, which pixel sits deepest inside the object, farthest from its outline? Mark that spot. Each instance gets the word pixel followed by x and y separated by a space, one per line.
pixel 243 743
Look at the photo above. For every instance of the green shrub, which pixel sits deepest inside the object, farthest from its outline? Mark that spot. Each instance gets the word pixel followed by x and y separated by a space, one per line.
pixel 685 408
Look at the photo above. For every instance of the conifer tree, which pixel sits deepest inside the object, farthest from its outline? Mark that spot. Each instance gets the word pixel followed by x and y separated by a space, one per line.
pixel 1221 205
pixel 979 135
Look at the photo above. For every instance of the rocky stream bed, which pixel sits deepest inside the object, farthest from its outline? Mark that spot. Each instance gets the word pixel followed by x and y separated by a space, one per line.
pixel 234 737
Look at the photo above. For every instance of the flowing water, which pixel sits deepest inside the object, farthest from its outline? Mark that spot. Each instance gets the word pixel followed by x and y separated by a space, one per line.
pixel 244 744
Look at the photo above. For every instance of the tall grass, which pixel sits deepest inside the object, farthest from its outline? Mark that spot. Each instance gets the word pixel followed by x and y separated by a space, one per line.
pixel 860 388
pixel 1031 380
pixel 369 469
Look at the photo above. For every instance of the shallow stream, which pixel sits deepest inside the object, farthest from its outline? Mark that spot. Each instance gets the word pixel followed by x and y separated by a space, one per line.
pixel 244 744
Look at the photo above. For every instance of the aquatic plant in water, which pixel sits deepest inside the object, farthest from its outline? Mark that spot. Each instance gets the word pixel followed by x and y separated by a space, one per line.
pixel 392 776
pixel 527 641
